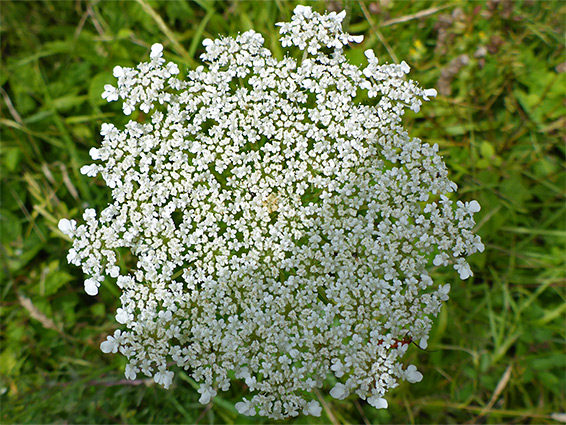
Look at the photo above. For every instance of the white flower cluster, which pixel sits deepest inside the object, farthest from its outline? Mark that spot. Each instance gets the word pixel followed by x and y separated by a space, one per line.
pixel 282 220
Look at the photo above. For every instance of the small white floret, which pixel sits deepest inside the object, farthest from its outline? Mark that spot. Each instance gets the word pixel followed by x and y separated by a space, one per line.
pixel 67 226
pixel 114 271
pixel 339 392
pixel 91 286
pixel 338 369
pixel 463 269
pixel 118 71
pixel 207 394
pixel 110 93
pixel 127 109
pixel 301 10
pixel 94 153
pixel 112 343
pixel 89 170
pixel 439 260
pixel 413 375
pixel 377 402
pixel 131 372
pixel 245 408
pixel 121 316
pixel 106 128
pixel 163 377
pixel 357 38
pixel 474 206
pixel 443 291
pixel 156 51
pixel 369 54
pixel 313 408
pixel 430 93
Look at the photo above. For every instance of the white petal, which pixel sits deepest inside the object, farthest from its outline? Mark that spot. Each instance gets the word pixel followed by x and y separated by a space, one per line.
pixel 156 51
pixel 313 408
pixel 413 375
pixel 164 378
pixel 207 393
pixel 94 153
pixel 378 402
pixel 430 93
pixel 245 408
pixel 474 206
pixel 110 345
pixel 118 71
pixel 130 372
pixel 339 392
pixel 241 407
pixel 438 260
pixel 357 38
pixel 91 287
pixel 121 316
pixel 369 54
pixel 115 271
pixel 106 346
pixel 65 226
pixel 89 170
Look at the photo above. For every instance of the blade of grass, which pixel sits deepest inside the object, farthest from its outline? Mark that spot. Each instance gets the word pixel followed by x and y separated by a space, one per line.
pixel 326 407
pixel 551 315
pixel 197 37
pixel 181 410
pixel 165 30
pixel 67 139
pixel 496 393
pixel 420 14
pixel 377 32
pixel 526 231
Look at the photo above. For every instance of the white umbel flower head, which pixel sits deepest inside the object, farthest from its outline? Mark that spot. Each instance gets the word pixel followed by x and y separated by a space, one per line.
pixel 272 218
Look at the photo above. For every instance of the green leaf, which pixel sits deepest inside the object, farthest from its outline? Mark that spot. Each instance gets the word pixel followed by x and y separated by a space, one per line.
pixel 64 103
pixel 10 227
pixel 56 280
pixel 486 149
pixel 8 362
pixel 11 158
pixel 514 190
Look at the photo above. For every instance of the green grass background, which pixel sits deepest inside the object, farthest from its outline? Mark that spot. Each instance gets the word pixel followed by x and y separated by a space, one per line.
pixel 498 347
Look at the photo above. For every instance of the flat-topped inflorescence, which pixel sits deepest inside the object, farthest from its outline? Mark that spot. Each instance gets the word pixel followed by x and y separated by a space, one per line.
pixel 282 220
